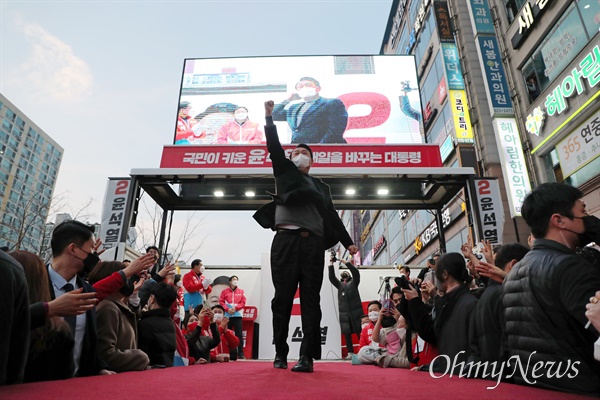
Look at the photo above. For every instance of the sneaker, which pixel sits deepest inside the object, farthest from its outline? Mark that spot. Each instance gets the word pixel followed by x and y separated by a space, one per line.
pixel 349 356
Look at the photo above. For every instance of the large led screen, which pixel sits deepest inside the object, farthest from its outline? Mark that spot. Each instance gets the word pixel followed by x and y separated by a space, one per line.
pixel 318 99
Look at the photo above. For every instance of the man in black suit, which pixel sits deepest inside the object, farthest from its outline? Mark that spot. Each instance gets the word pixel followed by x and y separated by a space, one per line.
pixel 307 224
pixel 315 119
pixel 73 251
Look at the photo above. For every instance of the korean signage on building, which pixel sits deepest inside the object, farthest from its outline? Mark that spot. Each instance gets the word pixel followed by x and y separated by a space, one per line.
pixel 513 163
pixel 243 157
pixel 491 212
pixel 495 82
pixel 431 231
pixel 589 68
pixel 113 211
pixel 481 16
pixel 452 66
pixel 581 147
pixel 460 113
pixel 527 17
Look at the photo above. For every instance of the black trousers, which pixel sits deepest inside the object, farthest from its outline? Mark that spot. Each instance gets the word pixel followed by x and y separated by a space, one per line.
pixel 235 323
pixel 297 260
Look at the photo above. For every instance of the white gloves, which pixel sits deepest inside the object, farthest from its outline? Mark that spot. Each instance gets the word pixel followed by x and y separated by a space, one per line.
pixel 206 283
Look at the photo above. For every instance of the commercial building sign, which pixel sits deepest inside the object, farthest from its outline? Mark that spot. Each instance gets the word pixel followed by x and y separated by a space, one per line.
pixel 535 121
pixel 394 36
pixel 460 113
pixel 495 82
pixel 581 147
pixel 513 163
pixel 481 16
pixel 491 212
pixel 380 245
pixel 452 66
pixel 431 231
pixel 446 148
pixel 444 23
pixel 589 68
pixel 528 17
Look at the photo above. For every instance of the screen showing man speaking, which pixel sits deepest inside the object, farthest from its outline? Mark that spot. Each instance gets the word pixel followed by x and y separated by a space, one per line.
pixel 318 99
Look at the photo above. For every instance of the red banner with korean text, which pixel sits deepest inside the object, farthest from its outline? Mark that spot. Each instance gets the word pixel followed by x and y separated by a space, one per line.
pixel 332 156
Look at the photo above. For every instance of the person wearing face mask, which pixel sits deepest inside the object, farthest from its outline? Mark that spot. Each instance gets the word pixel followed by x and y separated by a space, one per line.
pixel 368 350
pixel 233 301
pixel 117 325
pixel 448 326
pixel 195 285
pixel 241 130
pixel 229 341
pixel 349 302
pixel 314 119
pixel 545 294
pixel 72 244
pixel 306 222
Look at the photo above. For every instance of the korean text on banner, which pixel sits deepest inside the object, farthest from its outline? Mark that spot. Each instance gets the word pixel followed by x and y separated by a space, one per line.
pixel 491 212
pixel 113 211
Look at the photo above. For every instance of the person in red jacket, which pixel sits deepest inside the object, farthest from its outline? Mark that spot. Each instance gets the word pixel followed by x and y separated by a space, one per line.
pixel 195 285
pixel 367 349
pixel 233 301
pixel 229 341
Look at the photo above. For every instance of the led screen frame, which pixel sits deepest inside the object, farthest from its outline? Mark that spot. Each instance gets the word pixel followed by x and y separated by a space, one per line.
pixel 379 95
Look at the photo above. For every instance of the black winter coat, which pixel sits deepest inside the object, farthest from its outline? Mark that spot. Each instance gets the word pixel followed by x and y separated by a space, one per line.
pixel 349 301
pixel 156 336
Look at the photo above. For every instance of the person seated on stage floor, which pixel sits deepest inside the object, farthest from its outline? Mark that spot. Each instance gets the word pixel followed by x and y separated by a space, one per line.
pixel 367 349
pixel 117 325
pixel 50 353
pixel 487 327
pixel 449 331
pixel 229 340
pixel 156 330
pixel 203 334
pixel 390 332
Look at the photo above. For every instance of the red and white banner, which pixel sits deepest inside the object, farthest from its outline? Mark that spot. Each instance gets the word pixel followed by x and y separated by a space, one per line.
pixel 340 156
pixel 113 211
pixel 491 211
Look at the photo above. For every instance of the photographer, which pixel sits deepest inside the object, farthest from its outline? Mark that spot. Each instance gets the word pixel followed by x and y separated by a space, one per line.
pixel 449 329
pixel 349 302
pixel 428 269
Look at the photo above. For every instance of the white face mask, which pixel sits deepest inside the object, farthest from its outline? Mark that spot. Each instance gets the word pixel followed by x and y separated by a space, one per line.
pixel 241 116
pixel 306 92
pixel 363 326
pixel 180 284
pixel 301 161
pixel 218 317
pixel 374 316
pixel 234 282
pixel 202 269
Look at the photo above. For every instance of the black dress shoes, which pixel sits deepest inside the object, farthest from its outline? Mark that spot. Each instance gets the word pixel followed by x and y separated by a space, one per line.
pixel 305 364
pixel 280 363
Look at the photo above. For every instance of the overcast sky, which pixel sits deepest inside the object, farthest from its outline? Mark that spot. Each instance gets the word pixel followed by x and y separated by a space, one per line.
pixel 102 79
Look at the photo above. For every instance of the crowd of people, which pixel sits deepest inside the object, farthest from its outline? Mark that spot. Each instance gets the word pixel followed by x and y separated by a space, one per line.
pixel 527 315
pixel 519 314
pixel 79 316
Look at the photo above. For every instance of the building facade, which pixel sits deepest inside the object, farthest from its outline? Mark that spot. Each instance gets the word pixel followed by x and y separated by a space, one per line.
pixel 29 164
pixel 508 87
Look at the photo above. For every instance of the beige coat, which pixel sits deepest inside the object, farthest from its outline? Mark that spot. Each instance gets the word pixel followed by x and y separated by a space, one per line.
pixel 117 336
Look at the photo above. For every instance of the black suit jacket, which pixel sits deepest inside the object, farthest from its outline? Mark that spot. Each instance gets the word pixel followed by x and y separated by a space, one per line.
pixel 324 122
pixel 89 363
pixel 292 188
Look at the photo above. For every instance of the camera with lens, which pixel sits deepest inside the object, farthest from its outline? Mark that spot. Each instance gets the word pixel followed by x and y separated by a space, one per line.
pixel 403 282
pixel 332 257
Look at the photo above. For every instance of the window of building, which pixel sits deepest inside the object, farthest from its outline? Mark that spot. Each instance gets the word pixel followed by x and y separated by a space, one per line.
pixel 512 8
pixel 453 244
pixel 551 57
pixel 10 115
pixel 590 13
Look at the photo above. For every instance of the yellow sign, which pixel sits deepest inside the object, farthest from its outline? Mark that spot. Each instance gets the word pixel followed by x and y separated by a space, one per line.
pixel 418 244
pixel 459 107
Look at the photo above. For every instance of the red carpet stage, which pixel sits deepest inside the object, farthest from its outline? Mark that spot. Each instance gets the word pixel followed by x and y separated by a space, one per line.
pixel 258 380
